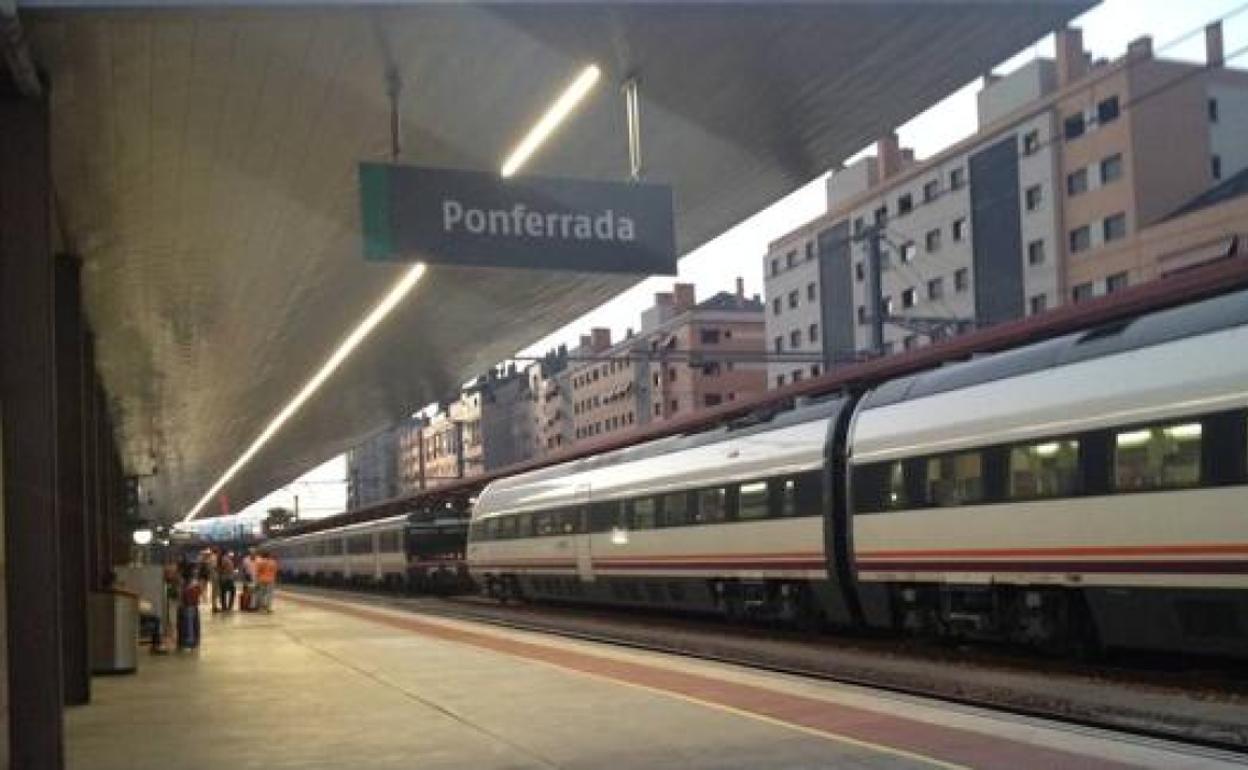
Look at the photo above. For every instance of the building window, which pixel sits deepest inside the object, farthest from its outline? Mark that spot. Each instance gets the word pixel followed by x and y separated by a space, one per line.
pixel 959 229
pixel 1035 253
pixel 812 333
pixel 957 178
pixel 1073 127
pixel 1038 303
pixel 862 314
pixel 712 399
pixel 1215 165
pixel 1033 197
pixel 658 409
pixel 775 267
pixel 1081 292
pixel 672 406
pixel 936 288
pixel 1080 239
pixel 1107 110
pixel 1031 142
pixel 790 259
pixel 1114 227
pixel 905 204
pixel 1212 106
pixel 961 279
pixel 1111 168
pixel 775 306
pixel 908 251
pixel 1077 182
pixel 931 241
pixel 931 190
pixel 812 292
pixel 795 339
pixel 779 380
pixel 886 306
pixel 810 250
pixel 710 336
pixel 779 344
pixel 881 215
pixel 1116 282
pixel 793 297
pixel 860 272
pixel 910 342
pixel 797 375
pixel 859 226
pixel 814 370
pixel 1157 458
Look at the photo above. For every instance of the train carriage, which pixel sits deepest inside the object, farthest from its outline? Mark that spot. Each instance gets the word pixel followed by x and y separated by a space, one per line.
pixel 1087 489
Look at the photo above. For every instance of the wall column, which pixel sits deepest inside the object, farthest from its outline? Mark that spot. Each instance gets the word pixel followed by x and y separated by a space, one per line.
pixel 27 398
pixel 70 470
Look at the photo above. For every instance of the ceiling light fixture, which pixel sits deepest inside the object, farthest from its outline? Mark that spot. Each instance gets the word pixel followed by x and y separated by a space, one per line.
pixel 551 120
pixel 396 294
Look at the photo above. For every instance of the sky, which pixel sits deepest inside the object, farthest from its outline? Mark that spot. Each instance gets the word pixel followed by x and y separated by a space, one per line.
pixel 1176 27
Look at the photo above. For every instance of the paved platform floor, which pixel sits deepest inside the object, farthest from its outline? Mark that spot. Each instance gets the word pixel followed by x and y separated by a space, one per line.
pixel 324 683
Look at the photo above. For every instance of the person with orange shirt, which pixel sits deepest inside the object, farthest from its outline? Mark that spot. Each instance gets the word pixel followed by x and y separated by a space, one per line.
pixel 266 578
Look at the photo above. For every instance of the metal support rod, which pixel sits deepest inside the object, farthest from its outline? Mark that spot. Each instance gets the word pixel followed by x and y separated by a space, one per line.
pixel 394 87
pixel 632 114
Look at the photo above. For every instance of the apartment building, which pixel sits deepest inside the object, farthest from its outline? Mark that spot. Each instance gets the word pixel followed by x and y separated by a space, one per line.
pixel 553 427
pixel 373 470
pixel 1071 156
pixel 688 356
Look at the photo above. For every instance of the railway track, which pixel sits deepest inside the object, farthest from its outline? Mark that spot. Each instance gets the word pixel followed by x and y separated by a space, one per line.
pixel 1205 722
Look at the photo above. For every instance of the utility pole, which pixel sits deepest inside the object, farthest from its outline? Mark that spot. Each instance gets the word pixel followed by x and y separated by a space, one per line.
pixel 875 310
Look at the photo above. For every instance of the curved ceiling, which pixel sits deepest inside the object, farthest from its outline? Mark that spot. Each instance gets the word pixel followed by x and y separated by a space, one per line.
pixel 205 170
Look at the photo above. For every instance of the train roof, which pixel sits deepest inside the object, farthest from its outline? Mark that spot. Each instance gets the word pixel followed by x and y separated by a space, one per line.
pixel 1223 312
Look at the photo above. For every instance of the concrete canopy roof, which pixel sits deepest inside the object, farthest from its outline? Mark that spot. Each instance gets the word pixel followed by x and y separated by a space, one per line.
pixel 205 170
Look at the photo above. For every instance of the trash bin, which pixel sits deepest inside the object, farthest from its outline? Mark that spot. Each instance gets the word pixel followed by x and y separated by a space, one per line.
pixel 114 631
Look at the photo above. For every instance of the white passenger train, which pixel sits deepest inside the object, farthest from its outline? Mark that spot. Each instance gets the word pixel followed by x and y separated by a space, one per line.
pixel 420 551
pixel 1090 488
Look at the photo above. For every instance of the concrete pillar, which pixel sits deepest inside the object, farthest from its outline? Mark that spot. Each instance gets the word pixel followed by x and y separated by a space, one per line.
pixel 27 398
pixel 1214 56
pixel 1071 61
pixel 70 500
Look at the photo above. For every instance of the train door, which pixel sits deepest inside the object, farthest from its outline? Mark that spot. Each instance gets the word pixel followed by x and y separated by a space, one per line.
pixel 583 540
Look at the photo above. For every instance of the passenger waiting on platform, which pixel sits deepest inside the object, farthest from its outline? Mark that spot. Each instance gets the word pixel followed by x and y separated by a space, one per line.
pixel 225 582
pixel 208 575
pixel 188 610
pixel 249 581
pixel 266 578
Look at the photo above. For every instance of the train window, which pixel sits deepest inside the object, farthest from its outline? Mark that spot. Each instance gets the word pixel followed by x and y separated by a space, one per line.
pixel 357 544
pixel 799 495
pixel 676 509
pixel 955 479
pixel 712 505
pixel 524 525
pixel 641 513
pixel 569 521
pixel 752 501
pixel 544 523
pixel 491 529
pixel 335 547
pixel 1049 469
pixel 603 516
pixel 1161 457
pixel 506 527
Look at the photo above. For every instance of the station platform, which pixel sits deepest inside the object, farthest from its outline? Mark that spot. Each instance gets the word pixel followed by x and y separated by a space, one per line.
pixel 328 682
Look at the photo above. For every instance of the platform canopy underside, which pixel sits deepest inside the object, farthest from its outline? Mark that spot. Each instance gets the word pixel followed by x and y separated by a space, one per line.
pixel 205 160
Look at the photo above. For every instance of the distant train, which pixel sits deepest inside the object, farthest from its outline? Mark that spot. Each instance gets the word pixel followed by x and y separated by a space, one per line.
pixel 421 552
pixel 1087 490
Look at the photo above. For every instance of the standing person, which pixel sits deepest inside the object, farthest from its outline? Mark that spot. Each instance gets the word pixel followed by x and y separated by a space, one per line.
pixel 225 582
pixel 249 581
pixel 188 607
pixel 266 577
pixel 208 576
pixel 169 618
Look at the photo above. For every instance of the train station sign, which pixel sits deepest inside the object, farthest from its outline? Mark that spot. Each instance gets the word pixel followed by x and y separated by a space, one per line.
pixel 469 218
